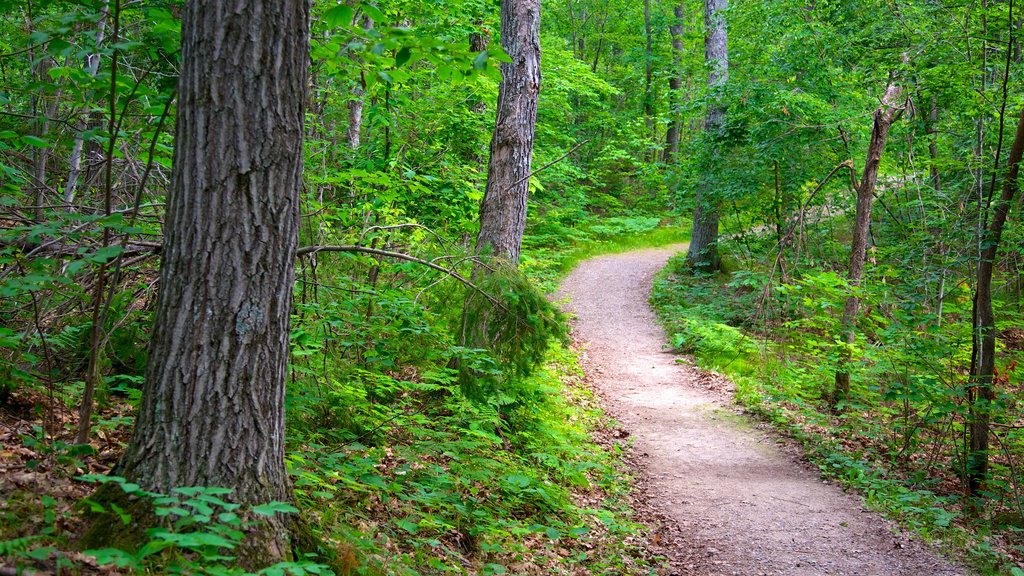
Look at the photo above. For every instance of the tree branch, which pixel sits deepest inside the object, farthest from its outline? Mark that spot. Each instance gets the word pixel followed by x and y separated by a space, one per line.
pixel 309 250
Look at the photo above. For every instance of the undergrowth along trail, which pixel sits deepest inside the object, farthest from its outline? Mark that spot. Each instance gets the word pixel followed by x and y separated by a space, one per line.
pixel 749 504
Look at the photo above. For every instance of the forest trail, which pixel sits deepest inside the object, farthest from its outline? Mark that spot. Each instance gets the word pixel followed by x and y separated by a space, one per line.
pixel 744 501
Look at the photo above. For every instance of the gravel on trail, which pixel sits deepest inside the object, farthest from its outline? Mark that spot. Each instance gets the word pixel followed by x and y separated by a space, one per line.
pixel 732 496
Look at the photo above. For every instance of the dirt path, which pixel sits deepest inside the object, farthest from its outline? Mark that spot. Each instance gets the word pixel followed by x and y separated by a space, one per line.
pixel 744 503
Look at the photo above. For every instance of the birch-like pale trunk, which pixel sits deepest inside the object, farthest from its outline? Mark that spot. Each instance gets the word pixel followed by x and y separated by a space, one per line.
pixel 703 252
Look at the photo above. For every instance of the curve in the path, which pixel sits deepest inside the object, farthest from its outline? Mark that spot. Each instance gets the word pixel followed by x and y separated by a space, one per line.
pixel 745 503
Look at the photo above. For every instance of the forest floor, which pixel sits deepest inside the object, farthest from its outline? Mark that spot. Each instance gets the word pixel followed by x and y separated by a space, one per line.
pixel 729 496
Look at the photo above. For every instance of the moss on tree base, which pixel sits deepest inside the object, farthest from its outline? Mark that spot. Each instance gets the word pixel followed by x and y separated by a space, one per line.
pixel 116 519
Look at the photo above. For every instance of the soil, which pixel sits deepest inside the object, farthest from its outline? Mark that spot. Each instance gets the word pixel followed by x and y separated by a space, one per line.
pixel 729 496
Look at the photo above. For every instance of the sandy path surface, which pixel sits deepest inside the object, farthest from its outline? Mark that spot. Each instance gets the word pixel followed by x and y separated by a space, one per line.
pixel 743 502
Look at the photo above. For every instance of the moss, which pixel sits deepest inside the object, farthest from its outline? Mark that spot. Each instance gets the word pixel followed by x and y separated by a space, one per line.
pixel 342 559
pixel 118 520
pixel 115 519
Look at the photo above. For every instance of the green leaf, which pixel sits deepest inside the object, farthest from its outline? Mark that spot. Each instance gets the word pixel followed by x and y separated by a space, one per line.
pixel 403 56
pixel 339 16
pixel 579 531
pixel 35 141
pixel 118 558
pixel 271 508
pixel 193 540
pixel 480 62
pixel 408 525
pixel 372 12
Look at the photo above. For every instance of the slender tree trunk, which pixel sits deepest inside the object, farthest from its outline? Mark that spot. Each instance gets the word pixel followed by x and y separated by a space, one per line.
pixel 478 42
pixel 92 66
pixel 212 410
pixel 886 113
pixel 703 252
pixel 648 73
pixel 358 99
pixel 600 44
pixel 936 180
pixel 675 85
pixel 503 210
pixel 981 393
pixel 43 109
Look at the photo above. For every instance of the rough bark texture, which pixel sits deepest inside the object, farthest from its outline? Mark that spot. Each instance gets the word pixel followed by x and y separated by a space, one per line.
pixel 703 252
pixel 212 412
pixel 675 85
pixel 983 352
pixel 503 210
pixel 884 116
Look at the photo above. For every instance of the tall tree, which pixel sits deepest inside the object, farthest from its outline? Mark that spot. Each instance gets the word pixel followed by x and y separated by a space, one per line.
pixel 212 412
pixel 675 84
pixel 887 112
pixel 648 67
pixel 358 99
pixel 503 210
pixel 703 252
pixel 983 350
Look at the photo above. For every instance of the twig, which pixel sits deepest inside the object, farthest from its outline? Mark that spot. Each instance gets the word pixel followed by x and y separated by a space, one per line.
pixel 546 166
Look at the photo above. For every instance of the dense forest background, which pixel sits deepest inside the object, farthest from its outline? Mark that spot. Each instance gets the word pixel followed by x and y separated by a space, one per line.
pixel 857 160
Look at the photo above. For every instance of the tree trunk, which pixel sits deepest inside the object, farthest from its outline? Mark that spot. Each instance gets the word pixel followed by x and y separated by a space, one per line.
pixel 212 410
pixel 983 349
pixel 503 210
pixel 478 42
pixel 648 95
pixel 703 252
pixel 356 103
pixel 675 85
pixel 92 67
pixel 884 116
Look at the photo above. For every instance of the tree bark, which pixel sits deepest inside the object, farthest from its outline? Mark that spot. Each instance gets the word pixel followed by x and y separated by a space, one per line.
pixel 983 350
pixel 358 100
pixel 92 67
pixel 478 42
pixel 648 73
pixel 675 85
pixel 703 252
pixel 212 411
pixel 503 210
pixel 886 113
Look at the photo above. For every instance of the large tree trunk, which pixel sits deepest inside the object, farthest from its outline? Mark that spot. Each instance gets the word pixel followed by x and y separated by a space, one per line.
pixel 503 210
pixel 884 116
pixel 983 350
pixel 703 252
pixel 675 85
pixel 212 410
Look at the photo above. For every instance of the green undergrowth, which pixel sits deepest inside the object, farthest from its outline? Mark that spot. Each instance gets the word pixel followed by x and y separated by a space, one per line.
pixel 449 488
pixel 410 452
pixel 877 443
